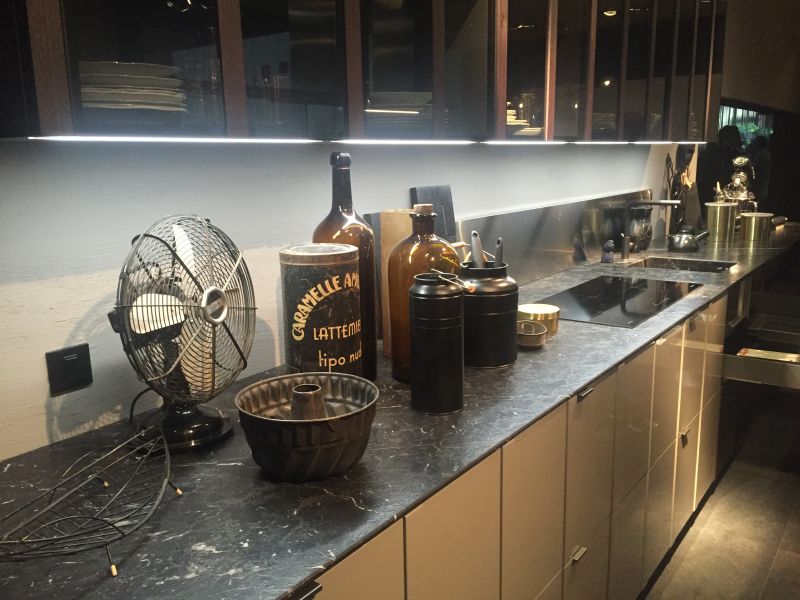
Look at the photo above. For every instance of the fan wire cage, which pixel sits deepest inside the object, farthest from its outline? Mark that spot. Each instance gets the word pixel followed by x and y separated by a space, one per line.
pixel 186 314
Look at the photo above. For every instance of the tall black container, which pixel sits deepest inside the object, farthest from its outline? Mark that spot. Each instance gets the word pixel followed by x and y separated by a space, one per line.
pixel 437 344
pixel 322 307
pixel 490 316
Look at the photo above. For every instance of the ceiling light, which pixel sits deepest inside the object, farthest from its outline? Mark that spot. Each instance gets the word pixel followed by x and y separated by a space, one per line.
pixel 610 13
pixel 575 105
pixel 606 82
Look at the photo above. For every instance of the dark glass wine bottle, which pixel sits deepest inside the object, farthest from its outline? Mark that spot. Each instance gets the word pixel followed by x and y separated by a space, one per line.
pixel 421 252
pixel 343 225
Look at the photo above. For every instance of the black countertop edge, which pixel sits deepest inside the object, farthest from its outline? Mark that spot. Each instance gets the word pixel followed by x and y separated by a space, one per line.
pixel 238 535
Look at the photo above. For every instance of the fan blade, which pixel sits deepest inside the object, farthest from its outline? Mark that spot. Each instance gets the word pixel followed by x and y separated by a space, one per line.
pixel 183 248
pixel 197 359
pixel 151 312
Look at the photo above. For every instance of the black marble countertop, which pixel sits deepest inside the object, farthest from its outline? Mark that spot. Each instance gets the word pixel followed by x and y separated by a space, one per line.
pixel 234 534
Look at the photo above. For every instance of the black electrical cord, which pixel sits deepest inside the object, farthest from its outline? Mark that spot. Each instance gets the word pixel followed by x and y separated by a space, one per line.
pixel 135 400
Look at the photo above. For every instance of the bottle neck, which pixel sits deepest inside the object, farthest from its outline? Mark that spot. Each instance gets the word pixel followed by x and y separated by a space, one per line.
pixel 422 224
pixel 342 196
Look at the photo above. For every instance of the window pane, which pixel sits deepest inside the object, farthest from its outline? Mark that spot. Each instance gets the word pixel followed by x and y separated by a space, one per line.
pixel 697 112
pixel 527 56
pixel 679 94
pixel 397 41
pixel 294 68
pixel 144 67
pixel 659 89
pixel 574 19
pixel 607 68
pixel 638 70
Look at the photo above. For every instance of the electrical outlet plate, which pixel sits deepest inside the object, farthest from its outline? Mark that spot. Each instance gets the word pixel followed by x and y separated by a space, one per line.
pixel 69 369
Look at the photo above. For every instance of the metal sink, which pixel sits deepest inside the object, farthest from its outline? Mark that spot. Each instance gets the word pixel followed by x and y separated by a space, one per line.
pixel 683 264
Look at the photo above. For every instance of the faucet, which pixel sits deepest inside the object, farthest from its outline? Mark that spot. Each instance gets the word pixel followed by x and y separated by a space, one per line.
pixel 626 219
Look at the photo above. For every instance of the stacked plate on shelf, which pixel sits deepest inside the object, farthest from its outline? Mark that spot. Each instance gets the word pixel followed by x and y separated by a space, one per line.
pixel 139 86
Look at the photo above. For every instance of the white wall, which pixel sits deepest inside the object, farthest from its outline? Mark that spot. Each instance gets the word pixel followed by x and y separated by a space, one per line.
pixel 69 211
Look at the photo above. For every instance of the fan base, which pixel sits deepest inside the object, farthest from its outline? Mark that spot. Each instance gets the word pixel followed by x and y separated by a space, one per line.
pixel 188 426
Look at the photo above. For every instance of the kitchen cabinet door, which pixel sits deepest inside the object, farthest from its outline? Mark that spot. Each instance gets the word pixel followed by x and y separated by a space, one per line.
pixel 533 506
pixel 715 339
pixel 453 539
pixel 373 571
pixel 685 475
pixel 590 445
pixel 666 391
pixel 586 571
pixel 658 520
pixel 707 453
pixel 694 354
pixel 155 68
pixel 632 422
pixel 626 559
pixel 294 72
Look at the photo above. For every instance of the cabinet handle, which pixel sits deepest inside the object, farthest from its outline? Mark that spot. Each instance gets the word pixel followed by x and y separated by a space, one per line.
pixel 583 393
pixel 307 592
pixel 578 554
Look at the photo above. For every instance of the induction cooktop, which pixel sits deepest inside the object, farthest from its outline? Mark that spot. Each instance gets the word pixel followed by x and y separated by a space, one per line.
pixel 618 301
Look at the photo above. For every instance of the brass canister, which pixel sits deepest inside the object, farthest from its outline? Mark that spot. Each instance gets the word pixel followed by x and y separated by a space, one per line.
pixel 721 221
pixel 756 226
pixel 546 314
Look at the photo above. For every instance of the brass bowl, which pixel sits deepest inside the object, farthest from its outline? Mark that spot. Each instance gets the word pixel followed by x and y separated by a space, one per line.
pixel 531 334
pixel 546 314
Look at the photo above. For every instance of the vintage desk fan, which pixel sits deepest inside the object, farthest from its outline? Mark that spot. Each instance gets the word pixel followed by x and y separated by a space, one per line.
pixel 185 312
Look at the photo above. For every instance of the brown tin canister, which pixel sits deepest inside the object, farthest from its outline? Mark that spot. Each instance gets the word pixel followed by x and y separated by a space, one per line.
pixel 322 310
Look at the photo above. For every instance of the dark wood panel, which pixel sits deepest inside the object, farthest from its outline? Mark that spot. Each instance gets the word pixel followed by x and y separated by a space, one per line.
pixel 589 101
pixel 550 71
pixel 438 52
pixel 232 59
pixel 354 69
pixel 50 67
pixel 500 67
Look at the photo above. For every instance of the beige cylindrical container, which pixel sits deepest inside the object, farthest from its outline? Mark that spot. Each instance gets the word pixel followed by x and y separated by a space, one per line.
pixel 756 226
pixel 721 221
pixel 546 314
pixel 395 227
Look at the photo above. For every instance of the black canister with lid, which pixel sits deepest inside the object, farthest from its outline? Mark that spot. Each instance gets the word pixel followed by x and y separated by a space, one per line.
pixel 490 316
pixel 437 343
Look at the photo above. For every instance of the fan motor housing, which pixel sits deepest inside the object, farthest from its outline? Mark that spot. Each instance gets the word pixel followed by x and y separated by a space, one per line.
pixel 214 305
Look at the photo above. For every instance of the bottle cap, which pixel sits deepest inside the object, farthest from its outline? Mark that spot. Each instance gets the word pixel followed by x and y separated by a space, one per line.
pixel 423 209
pixel 340 159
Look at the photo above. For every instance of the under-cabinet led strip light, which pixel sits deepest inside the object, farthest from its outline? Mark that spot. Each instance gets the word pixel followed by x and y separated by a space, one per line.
pixel 171 140
pixel 364 142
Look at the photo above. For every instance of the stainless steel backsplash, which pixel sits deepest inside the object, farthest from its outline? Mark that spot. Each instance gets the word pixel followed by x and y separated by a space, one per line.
pixel 541 241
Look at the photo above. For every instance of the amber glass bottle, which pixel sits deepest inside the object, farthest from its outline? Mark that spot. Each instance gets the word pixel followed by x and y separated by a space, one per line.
pixel 419 253
pixel 343 225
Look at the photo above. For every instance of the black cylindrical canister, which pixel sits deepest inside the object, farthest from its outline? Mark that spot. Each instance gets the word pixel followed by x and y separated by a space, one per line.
pixel 490 316
pixel 321 305
pixel 437 344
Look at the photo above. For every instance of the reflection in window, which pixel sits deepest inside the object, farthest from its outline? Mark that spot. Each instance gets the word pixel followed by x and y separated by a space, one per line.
pixel 294 68
pixel 697 109
pixel 659 85
pixel 679 93
pixel 397 42
pixel 527 56
pixel 607 68
pixel 426 67
pixel 148 67
pixel 638 70
pixel 574 20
